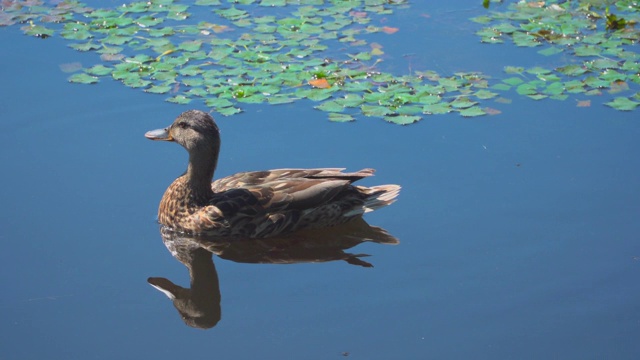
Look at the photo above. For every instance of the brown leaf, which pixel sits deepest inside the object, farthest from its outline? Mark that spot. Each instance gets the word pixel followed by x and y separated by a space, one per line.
pixel 492 111
pixel 618 86
pixel 583 103
pixel 70 67
pixel 320 83
pixel 389 30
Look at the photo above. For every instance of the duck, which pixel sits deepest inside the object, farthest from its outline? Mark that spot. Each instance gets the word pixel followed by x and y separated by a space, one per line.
pixel 256 204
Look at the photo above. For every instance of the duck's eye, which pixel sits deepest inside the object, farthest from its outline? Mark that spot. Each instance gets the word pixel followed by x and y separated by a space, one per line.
pixel 183 125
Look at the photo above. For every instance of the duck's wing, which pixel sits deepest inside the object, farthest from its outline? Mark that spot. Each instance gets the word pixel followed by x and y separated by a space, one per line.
pixel 245 179
pixel 266 203
pixel 266 209
pixel 278 195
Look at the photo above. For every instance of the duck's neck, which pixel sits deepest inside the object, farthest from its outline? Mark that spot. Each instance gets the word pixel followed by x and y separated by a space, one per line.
pixel 199 172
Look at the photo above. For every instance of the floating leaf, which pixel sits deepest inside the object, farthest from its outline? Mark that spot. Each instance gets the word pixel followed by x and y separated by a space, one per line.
pixel 403 119
pixel 70 67
pixel 179 99
pixel 492 111
pixel 336 117
pixel 319 83
pixel 372 110
pixel 160 89
pixel 472 112
pixel 583 103
pixel 462 103
pixel 232 13
pixel 409 110
pixel 587 50
pixel 502 87
pixel 350 100
pixel 622 103
pixel 513 69
pixel 191 45
pixel 280 99
pixel 330 106
pixel 439 108
pixel 83 78
pixel 550 51
pixel 99 70
pixel 485 94
pixel 513 81
pixel 605 64
pixel 228 111
pixel 389 30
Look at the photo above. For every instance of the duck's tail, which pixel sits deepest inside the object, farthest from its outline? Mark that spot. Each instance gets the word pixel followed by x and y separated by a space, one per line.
pixel 379 196
pixel 375 198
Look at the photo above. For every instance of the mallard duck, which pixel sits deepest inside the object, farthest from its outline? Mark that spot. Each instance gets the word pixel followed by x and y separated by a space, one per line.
pixel 256 204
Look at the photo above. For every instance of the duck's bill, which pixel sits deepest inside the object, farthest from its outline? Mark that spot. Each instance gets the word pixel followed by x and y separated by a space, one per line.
pixel 159 134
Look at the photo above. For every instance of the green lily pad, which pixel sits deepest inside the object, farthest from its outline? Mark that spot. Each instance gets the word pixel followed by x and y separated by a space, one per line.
pixel 160 89
pixel 550 51
pixel 485 94
pixel 513 81
pixel 402 119
pixel 440 108
pixel 228 111
pixel 330 106
pixel 350 100
pixel 99 70
pixel 37 31
pixel 280 99
pixel 85 46
pixel 336 117
pixel 179 99
pixel 587 50
pixel 462 103
pixel 82 78
pixel 472 111
pixel 623 103
pixel 373 110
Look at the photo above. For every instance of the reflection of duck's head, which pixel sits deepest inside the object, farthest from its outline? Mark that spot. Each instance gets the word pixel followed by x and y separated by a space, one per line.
pixel 195 130
pixel 198 305
pixel 197 310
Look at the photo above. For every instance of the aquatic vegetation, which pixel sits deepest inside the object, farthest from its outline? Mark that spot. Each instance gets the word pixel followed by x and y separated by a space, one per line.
pixel 601 47
pixel 281 51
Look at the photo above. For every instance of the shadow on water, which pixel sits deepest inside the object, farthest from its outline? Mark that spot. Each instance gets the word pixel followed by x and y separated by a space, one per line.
pixel 199 305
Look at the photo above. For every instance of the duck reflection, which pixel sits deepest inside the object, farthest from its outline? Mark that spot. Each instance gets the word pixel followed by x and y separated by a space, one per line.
pixel 199 305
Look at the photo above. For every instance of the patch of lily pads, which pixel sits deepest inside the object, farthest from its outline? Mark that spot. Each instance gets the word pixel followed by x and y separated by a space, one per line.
pixel 599 39
pixel 281 51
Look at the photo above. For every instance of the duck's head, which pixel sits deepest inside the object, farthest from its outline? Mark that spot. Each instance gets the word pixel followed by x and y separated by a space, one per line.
pixel 193 129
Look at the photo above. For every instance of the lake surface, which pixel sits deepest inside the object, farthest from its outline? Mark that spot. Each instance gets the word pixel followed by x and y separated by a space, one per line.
pixel 518 232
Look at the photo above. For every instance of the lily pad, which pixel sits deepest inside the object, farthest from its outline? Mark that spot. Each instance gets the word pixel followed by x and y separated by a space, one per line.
pixel 402 119
pixel 472 112
pixel 336 117
pixel 83 78
pixel 622 103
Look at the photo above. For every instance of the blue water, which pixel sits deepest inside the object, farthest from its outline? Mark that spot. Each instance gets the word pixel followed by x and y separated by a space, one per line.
pixel 518 232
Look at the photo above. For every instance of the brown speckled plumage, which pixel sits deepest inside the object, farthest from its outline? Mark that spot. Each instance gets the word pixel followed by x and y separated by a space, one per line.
pixel 261 203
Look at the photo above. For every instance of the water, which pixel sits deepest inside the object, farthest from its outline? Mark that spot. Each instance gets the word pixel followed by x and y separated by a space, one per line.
pixel 518 232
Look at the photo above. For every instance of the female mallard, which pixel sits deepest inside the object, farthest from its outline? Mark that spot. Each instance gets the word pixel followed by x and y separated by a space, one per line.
pixel 261 203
